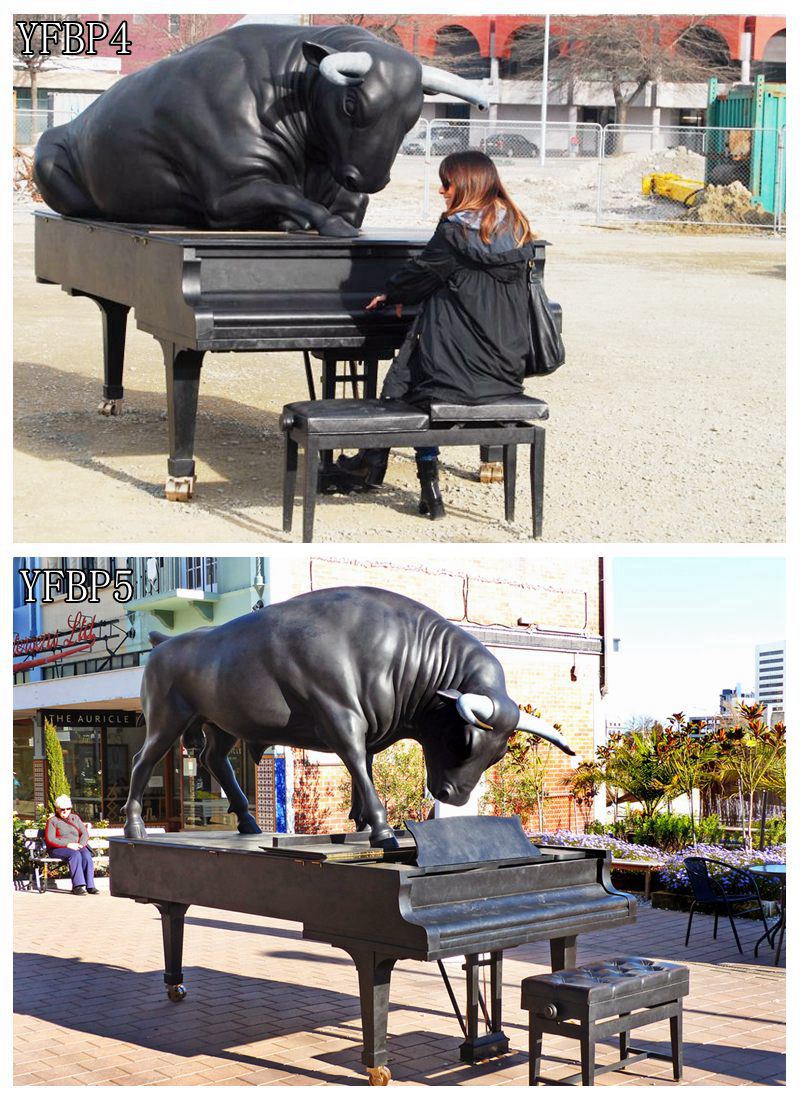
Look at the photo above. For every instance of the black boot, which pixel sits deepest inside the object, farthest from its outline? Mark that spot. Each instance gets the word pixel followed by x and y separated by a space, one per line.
pixel 368 467
pixel 430 501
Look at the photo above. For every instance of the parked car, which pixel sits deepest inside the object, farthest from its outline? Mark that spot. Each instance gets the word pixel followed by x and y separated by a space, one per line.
pixel 413 147
pixel 509 145
pixel 449 139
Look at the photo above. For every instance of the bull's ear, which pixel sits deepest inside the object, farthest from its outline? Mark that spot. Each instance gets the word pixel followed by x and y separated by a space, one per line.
pixel 315 53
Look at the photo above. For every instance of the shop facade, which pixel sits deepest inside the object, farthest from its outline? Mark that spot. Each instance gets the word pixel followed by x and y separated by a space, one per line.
pixel 77 681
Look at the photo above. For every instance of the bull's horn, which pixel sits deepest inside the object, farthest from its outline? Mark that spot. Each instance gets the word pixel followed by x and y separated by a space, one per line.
pixel 346 68
pixel 535 725
pixel 437 80
pixel 475 709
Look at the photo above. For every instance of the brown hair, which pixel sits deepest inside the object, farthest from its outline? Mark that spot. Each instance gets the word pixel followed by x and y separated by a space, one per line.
pixel 477 186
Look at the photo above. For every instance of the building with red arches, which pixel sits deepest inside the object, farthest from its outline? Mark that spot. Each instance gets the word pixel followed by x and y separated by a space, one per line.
pixel 499 48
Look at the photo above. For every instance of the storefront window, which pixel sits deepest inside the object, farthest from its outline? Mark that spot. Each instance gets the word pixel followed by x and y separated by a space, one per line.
pixel 205 805
pixel 98 762
pixel 122 744
pixel 23 769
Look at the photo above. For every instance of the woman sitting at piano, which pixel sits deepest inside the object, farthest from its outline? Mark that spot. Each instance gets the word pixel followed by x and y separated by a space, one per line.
pixel 471 338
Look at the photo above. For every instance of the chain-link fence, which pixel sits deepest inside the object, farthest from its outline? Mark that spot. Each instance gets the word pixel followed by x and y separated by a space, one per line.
pixel 551 170
pixel 30 123
pixel 708 175
pixel 564 171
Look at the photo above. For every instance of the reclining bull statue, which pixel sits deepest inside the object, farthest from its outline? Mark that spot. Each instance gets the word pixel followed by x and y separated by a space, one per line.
pixel 349 671
pixel 261 126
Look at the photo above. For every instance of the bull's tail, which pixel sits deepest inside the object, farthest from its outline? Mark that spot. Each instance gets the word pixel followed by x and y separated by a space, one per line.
pixel 156 638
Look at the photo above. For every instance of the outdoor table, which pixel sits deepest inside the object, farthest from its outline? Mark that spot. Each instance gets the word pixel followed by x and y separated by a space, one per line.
pixel 778 871
pixel 647 867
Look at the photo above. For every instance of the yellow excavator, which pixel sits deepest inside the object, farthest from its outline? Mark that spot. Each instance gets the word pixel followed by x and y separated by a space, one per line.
pixel 669 185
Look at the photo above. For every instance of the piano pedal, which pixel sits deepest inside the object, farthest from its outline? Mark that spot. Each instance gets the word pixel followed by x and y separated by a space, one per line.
pixel 179 488
pixel 110 406
pixel 491 472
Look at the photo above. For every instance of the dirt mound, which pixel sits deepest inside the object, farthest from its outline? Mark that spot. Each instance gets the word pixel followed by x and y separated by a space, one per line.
pixel 732 203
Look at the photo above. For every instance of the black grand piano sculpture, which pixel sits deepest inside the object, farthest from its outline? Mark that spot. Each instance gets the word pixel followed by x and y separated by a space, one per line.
pixel 219 194
pixel 352 671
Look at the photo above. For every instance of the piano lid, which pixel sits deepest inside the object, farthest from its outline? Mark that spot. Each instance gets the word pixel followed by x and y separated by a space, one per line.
pixel 458 843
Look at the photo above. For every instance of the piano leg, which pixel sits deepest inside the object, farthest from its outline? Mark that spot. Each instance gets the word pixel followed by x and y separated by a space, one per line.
pixel 172 917
pixel 183 386
pixel 563 953
pixel 477 1047
pixel 374 976
pixel 115 323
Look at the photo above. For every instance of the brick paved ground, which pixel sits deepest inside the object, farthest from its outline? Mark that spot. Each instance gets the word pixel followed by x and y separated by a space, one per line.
pixel 264 1007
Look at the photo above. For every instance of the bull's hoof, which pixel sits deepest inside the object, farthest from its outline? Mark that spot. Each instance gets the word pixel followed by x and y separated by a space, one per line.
pixel 179 488
pixel 379 1075
pixel 384 839
pixel 334 226
pixel 134 829
pixel 176 992
pixel 110 407
pixel 248 825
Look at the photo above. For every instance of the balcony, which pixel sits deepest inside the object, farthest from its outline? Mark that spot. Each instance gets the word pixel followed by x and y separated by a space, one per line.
pixel 163 586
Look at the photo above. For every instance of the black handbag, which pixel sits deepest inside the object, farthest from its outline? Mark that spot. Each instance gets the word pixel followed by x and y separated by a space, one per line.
pixel 546 346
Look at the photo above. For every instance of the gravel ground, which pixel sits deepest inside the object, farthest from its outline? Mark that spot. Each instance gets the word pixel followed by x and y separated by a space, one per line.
pixel 667 421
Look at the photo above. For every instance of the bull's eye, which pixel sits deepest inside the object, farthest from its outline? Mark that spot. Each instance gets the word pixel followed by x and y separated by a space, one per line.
pixel 350 102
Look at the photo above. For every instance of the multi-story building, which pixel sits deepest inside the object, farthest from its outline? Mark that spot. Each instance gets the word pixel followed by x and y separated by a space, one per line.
pixel 506 52
pixel 770 672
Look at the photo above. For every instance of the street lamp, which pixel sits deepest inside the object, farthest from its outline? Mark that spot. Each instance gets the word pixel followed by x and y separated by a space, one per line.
pixel 259 584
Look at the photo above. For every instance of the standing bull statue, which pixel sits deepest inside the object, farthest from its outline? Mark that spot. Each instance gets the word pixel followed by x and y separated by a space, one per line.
pixel 260 126
pixel 342 670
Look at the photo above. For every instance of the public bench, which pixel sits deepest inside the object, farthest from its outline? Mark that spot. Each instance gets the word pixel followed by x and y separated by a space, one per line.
pixel 324 426
pixel 42 863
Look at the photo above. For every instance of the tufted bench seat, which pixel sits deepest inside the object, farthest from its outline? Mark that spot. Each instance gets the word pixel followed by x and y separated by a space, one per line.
pixel 602 999
pixel 322 426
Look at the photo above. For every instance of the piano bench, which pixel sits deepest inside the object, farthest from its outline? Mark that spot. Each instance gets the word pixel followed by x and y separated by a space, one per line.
pixel 324 426
pixel 601 999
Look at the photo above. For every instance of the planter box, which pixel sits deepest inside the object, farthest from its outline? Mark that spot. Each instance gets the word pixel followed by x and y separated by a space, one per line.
pixel 665 899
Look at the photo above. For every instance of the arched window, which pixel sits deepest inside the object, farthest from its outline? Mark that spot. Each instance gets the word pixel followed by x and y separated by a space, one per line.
pixel 706 46
pixel 773 61
pixel 526 53
pixel 458 51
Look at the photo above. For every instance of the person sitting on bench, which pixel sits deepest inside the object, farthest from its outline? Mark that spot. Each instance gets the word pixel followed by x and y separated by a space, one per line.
pixel 471 339
pixel 67 838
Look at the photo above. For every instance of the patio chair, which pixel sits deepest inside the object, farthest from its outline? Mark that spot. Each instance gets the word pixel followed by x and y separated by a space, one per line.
pixel 710 890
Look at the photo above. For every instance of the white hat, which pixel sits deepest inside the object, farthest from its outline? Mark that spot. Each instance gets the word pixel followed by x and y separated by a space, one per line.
pixel 63 802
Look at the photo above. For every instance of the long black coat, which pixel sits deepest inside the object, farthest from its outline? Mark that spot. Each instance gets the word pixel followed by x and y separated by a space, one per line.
pixel 471 340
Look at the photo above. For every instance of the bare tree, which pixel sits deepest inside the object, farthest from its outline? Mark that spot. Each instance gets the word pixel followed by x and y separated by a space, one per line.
pixel 627 52
pixel 28 54
pixel 179 32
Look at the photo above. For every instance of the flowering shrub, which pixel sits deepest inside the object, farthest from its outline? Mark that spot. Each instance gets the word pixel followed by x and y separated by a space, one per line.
pixel 622 849
pixel 673 875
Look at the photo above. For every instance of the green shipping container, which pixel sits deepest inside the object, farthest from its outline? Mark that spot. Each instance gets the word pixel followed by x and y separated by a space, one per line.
pixel 759 107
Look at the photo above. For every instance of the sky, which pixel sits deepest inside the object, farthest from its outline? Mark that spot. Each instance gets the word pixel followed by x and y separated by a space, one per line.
pixel 687 628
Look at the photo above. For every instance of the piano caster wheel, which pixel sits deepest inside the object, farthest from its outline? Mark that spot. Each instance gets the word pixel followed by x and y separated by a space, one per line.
pixel 491 472
pixel 110 407
pixel 176 992
pixel 379 1075
pixel 179 488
